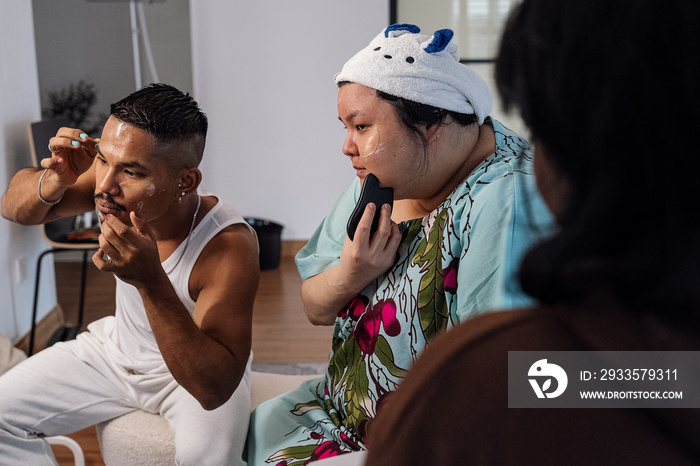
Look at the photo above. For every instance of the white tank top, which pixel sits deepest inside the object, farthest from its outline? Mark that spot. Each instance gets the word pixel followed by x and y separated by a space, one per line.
pixel 130 340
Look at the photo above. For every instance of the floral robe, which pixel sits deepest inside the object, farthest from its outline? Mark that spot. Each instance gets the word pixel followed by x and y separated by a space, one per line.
pixel 457 262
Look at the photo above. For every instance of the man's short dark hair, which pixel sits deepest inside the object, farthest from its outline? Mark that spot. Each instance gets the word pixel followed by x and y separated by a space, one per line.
pixel 165 112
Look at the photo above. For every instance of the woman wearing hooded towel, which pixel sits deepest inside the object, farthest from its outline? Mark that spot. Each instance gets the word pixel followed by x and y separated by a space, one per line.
pixel 465 210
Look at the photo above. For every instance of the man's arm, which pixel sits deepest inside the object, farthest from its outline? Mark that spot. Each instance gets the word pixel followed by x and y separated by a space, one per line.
pixel 208 352
pixel 21 203
pixel 69 177
pixel 227 275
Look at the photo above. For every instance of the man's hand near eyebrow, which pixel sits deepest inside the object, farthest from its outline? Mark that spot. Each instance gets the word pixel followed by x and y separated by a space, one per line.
pixel 72 154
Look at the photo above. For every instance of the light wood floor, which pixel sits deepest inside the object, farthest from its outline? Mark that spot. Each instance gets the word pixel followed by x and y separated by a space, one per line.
pixel 281 332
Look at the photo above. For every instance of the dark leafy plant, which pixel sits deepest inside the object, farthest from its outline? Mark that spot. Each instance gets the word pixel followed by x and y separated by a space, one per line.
pixel 75 102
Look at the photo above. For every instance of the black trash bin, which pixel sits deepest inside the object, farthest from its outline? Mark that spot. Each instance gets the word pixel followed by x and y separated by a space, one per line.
pixel 270 240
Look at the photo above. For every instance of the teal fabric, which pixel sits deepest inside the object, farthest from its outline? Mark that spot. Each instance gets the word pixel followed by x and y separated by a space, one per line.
pixel 457 262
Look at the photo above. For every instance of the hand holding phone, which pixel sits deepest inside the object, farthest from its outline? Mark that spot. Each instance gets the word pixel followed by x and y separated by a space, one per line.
pixel 371 192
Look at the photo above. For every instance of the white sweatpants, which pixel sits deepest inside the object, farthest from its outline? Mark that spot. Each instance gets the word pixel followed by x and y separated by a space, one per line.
pixel 72 385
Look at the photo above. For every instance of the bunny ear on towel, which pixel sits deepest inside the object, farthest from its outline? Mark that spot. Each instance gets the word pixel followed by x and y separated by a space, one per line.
pixel 396 30
pixel 439 41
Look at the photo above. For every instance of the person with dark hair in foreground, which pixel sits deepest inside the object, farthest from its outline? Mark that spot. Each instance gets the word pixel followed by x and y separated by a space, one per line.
pixel 610 93
pixel 186 266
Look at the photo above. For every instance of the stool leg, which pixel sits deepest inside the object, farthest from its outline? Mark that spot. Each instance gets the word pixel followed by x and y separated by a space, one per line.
pixel 32 333
pixel 82 290
pixel 72 445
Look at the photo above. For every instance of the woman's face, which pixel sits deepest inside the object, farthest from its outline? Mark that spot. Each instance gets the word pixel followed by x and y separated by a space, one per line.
pixel 377 141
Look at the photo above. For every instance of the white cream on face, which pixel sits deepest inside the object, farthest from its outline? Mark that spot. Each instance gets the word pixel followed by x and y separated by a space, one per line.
pixel 371 146
pixel 151 189
pixel 139 208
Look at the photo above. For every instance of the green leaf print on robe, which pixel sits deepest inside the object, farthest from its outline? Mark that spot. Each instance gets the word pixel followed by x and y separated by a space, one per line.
pixel 432 306
pixel 363 355
pixel 348 372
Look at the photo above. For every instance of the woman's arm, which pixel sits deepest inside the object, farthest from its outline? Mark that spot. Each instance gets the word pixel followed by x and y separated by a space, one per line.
pixel 361 261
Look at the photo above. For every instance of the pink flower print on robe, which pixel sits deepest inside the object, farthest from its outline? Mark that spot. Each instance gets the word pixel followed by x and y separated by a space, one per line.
pixel 367 330
pixel 450 276
pixel 355 309
pixel 325 450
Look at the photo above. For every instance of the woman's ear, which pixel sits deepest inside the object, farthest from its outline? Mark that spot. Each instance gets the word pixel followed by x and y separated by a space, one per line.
pixel 189 180
pixel 433 132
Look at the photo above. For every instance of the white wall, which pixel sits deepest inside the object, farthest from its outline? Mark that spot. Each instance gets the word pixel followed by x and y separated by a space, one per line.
pixel 19 104
pixel 263 72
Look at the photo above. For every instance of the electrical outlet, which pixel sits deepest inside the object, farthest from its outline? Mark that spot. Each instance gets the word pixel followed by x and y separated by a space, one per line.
pixel 20 269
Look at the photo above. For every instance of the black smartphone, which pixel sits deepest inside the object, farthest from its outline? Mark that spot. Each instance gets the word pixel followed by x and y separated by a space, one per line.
pixel 371 192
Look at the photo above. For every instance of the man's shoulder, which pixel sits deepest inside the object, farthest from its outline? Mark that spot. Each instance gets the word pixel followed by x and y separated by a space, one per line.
pixel 226 230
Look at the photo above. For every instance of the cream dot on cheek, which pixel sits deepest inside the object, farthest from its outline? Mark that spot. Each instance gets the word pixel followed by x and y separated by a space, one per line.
pixel 151 189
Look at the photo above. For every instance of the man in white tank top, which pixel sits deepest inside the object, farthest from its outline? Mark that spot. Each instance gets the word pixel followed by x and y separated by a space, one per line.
pixel 187 271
